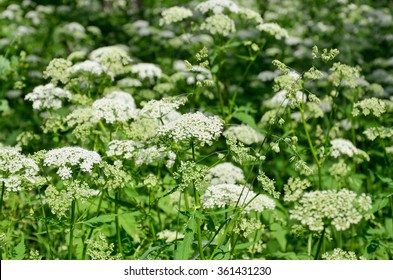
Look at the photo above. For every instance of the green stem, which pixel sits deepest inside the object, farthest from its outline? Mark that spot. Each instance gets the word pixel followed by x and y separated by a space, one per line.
pixel 117 222
pixel 320 244
pixel 72 220
pixel 92 229
pixel 309 244
pixel 2 197
pixel 314 154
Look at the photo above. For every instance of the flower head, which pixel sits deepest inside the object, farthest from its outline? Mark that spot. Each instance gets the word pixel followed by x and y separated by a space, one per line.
pixel 244 134
pixel 217 6
pixel 48 97
pixel 174 14
pixel 225 173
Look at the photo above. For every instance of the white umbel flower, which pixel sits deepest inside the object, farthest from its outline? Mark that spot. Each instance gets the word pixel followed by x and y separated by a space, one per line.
pixel 342 147
pixel 232 195
pixel 273 29
pixel 225 173
pixel 174 14
pixel 68 157
pixel 48 97
pixel 158 109
pixel 90 67
pixel 217 6
pixel 193 127
pixel 114 58
pixel 146 71
pixel 116 106
pixel 219 24
pixel 244 134
pixel 17 170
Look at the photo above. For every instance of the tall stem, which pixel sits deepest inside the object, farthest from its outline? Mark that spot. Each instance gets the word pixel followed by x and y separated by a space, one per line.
pixel 1 198
pixel 117 222
pixel 320 244
pixel 314 154
pixel 72 220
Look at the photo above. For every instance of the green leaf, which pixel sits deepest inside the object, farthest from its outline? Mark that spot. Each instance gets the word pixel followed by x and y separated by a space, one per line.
pixel 184 250
pixel 19 250
pixel 101 219
pixel 129 225
pixel 245 118
pixel 279 233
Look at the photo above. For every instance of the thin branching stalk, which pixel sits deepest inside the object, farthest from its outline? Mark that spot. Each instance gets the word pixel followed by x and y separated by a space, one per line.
pixel 72 220
pixel 2 197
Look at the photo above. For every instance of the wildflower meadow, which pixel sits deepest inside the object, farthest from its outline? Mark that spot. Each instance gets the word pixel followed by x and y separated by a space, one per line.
pixel 204 130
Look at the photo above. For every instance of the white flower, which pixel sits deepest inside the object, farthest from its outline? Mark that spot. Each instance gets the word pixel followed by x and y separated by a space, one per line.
pixel 219 24
pixel 67 157
pixel 90 67
pixel 146 71
pixel 174 14
pixel 225 173
pixel 17 170
pixel 342 147
pixel 116 106
pixel 273 29
pixel 193 127
pixel 158 109
pixel 281 99
pixel 244 133
pixel 217 6
pixel 235 195
pixel 114 58
pixel 47 97
pixel 129 82
pixel 342 208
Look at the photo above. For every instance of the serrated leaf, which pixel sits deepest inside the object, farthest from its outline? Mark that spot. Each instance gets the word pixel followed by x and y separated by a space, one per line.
pixel 184 250
pixel 20 250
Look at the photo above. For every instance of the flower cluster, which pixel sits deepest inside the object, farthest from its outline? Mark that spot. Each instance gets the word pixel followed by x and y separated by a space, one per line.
pixel 116 106
pixel 217 6
pixel 17 170
pixel 140 153
pixel 89 67
pixel 382 132
pixel 273 29
pixel 48 97
pixel 174 14
pixel 219 24
pixel 294 188
pixel 341 208
pixel 339 254
pixel 114 58
pixel 161 109
pixel 67 157
pixel 60 201
pixel 224 173
pixel 146 71
pixel 232 195
pixel 193 127
pixel 190 173
pixel 342 147
pixel 268 184
pixel 372 105
pixel 57 70
pixel 100 249
pixel 244 134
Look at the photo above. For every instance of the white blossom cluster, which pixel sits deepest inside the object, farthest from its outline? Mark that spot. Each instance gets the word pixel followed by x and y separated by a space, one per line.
pixel 59 201
pixel 48 97
pixel 341 208
pixel 342 147
pixel 146 71
pixel 224 173
pixel 17 170
pixel 217 6
pixel 244 134
pixel 174 14
pixel 75 30
pixel 116 106
pixel 159 109
pixel 369 106
pixel 273 29
pixel 233 195
pixel 339 254
pixel 137 152
pixel 89 67
pixel 67 157
pixel 193 127
pixel 57 70
pixel 282 98
pixel 100 249
pixel 219 24
pixel 114 58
